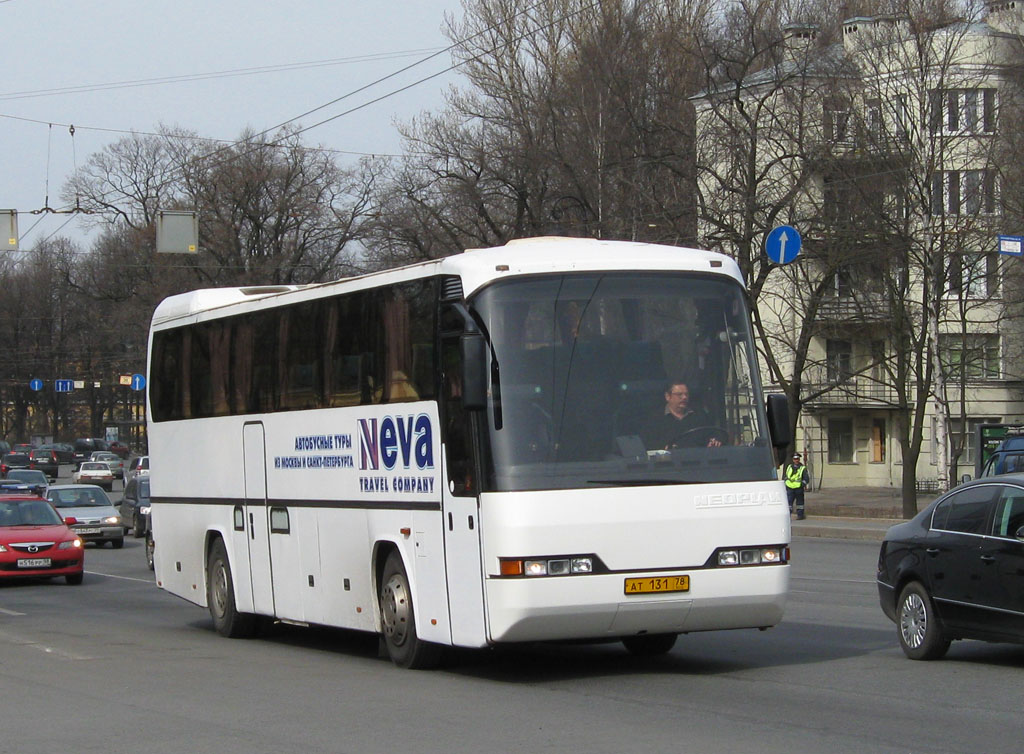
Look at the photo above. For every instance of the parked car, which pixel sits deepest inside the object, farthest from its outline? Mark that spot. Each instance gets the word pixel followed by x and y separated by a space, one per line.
pixel 96 519
pixel 86 446
pixel 113 460
pixel 956 570
pixel 34 478
pixel 45 461
pixel 136 467
pixel 94 472
pixel 121 449
pixel 134 501
pixel 14 460
pixel 35 541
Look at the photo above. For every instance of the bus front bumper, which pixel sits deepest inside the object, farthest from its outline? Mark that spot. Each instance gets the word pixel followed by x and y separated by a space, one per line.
pixel 597 607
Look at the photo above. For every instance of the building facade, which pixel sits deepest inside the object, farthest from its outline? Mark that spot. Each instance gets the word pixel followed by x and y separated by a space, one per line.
pixel 895 330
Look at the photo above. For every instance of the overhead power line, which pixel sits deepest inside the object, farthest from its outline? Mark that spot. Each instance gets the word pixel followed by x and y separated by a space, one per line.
pixel 455 45
pixel 230 73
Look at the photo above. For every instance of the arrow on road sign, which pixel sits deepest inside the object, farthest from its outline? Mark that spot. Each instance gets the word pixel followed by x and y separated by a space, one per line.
pixel 782 244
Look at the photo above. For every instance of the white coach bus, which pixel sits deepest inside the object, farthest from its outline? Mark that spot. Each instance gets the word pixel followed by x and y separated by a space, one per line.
pixel 471 451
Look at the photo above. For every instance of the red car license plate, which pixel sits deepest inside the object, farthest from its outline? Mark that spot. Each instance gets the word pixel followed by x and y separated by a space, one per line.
pixel 33 562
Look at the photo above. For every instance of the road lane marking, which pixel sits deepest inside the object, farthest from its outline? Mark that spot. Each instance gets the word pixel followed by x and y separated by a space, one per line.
pixel 45 649
pixel 10 612
pixel 123 578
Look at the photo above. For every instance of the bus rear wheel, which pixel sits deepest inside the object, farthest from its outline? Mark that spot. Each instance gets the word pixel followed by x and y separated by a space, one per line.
pixel 398 620
pixel 649 645
pixel 220 597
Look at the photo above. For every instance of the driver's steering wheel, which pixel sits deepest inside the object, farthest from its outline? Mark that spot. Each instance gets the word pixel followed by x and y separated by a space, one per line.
pixel 699 437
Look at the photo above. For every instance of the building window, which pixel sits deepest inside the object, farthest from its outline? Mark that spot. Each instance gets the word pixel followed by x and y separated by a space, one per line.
pixel 963 192
pixel 878 360
pixel 840 440
pixel 970 356
pixel 836 119
pixel 972 275
pixel 874 118
pixel 838 355
pixel 962 110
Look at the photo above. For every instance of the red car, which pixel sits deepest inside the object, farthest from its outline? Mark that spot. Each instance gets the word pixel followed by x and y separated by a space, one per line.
pixel 36 542
pixel 121 449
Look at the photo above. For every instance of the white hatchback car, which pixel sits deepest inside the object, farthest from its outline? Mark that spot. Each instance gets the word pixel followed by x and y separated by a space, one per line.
pixel 94 472
pixel 139 465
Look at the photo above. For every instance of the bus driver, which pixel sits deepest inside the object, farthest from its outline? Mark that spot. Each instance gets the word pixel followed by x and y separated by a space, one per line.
pixel 679 423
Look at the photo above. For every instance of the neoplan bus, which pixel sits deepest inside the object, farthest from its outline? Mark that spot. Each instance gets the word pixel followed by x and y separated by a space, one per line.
pixel 453 454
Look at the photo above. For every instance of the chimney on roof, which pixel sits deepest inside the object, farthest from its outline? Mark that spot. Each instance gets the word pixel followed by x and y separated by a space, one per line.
pixel 798 39
pixel 1006 16
pixel 861 32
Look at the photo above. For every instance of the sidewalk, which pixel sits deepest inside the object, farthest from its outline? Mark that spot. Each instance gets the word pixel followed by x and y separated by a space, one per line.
pixel 853 512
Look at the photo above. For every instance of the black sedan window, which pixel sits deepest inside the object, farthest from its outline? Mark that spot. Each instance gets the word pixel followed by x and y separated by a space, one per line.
pixel 966 511
pixel 1009 518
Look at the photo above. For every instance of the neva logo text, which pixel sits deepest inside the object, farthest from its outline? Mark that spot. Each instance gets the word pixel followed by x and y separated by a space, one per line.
pixel 396 442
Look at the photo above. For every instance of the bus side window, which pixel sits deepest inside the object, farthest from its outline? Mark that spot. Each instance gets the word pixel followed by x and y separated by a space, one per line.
pixel 456 421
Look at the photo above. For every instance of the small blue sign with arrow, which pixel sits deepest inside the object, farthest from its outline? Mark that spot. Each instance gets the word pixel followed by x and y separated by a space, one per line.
pixel 138 382
pixel 63 386
pixel 35 384
pixel 782 244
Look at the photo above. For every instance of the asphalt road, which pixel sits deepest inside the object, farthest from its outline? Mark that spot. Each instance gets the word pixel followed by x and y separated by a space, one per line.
pixel 116 665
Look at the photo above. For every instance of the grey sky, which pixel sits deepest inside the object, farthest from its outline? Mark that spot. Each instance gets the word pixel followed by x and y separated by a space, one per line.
pixel 103 67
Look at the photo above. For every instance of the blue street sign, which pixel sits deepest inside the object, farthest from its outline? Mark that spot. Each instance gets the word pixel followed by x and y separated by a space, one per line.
pixel 1013 245
pixel 782 244
pixel 138 382
pixel 35 384
pixel 63 386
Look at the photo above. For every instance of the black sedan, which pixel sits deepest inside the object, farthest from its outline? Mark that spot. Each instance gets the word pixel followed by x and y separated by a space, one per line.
pixel 135 505
pixel 45 460
pixel 956 570
pixel 14 460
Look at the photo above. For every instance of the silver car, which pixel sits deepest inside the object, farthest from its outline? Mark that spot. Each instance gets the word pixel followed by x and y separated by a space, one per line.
pixel 95 517
pixel 138 466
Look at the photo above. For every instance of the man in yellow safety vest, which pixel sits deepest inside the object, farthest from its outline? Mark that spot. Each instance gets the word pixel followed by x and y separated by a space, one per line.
pixel 797 480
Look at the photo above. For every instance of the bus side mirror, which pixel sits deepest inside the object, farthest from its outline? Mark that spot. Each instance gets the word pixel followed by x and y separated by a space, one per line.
pixel 474 371
pixel 777 408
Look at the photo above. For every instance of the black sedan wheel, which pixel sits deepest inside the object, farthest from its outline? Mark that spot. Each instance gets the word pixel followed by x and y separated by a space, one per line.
pixel 919 628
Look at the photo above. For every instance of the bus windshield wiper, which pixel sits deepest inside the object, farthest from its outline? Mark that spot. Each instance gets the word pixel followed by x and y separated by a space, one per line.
pixel 641 483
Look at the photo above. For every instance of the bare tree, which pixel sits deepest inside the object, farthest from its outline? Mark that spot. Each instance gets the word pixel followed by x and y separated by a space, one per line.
pixel 574 121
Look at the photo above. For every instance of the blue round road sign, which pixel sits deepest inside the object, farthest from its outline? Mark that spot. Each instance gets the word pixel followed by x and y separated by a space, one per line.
pixel 782 244
pixel 138 382
pixel 35 384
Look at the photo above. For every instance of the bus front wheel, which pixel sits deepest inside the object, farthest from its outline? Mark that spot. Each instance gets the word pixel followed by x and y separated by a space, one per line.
pixel 220 597
pixel 398 620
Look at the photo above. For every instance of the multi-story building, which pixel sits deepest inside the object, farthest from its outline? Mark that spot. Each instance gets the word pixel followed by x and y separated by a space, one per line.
pixel 886 150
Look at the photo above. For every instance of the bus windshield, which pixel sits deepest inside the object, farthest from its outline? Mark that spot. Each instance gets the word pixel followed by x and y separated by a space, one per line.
pixel 620 379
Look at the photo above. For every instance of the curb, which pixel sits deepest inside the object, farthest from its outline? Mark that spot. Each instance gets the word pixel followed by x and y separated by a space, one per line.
pixel 843 527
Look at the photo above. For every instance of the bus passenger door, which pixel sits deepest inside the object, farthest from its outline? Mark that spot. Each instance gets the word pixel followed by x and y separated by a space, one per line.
pixel 460 511
pixel 463 570
pixel 255 529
